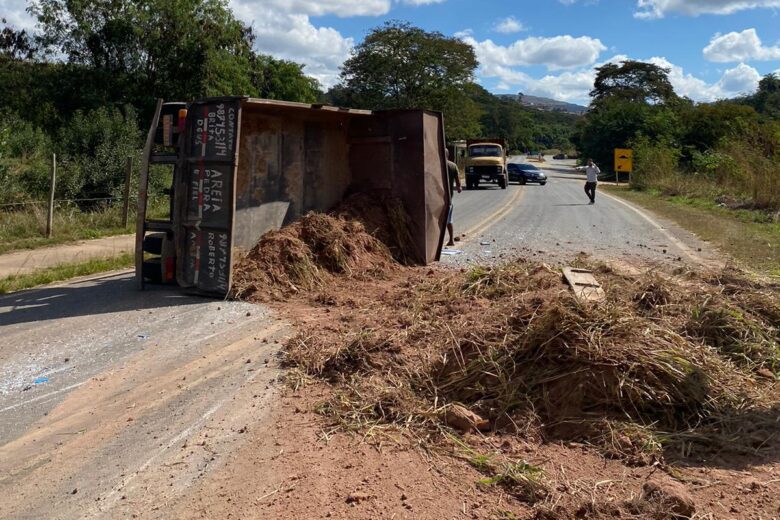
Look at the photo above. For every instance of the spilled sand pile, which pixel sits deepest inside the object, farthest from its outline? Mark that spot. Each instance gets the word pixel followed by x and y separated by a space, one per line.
pixel 363 238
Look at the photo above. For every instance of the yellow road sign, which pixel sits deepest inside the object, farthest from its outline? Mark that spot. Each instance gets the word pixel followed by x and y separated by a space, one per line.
pixel 624 160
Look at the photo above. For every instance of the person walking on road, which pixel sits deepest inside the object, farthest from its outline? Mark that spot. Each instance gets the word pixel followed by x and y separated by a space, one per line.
pixel 592 171
pixel 454 178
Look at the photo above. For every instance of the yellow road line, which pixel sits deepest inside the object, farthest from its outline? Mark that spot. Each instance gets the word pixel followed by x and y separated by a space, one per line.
pixel 496 215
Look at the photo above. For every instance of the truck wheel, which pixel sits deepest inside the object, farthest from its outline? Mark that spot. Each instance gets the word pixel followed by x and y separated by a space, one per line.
pixel 502 183
pixel 152 270
pixel 153 243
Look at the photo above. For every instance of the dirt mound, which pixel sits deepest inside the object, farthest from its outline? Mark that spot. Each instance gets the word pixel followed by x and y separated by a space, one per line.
pixel 302 256
pixel 384 217
pixel 364 237
pixel 512 344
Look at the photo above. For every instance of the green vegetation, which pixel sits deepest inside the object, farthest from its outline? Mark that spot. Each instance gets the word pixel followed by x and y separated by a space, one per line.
pixel 25 229
pixel 64 272
pixel 726 152
pixel 84 87
pixel 401 66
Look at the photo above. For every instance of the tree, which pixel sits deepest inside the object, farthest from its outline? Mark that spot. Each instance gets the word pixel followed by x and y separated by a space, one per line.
pixel 283 80
pixel 174 49
pixel 617 122
pixel 633 81
pixel 705 125
pixel 401 66
pixel 766 100
pixel 16 45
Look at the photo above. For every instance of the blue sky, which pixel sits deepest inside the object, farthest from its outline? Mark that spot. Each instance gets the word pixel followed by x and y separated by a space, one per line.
pixel 715 48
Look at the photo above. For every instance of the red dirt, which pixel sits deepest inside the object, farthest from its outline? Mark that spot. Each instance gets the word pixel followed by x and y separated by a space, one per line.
pixel 304 466
pixel 291 469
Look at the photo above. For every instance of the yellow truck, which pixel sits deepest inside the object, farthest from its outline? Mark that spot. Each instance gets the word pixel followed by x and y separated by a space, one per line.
pixel 486 161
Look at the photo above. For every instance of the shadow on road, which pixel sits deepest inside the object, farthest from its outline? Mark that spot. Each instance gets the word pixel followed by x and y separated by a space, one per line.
pixel 568 205
pixel 113 294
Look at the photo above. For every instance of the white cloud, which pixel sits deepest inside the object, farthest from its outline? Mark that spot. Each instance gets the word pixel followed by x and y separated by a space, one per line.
pixel 294 37
pixel 509 25
pixel 558 52
pixel 739 46
pixel 742 79
pixel 650 9
pixel 341 8
pixel 464 33
pixel 14 13
pixel 284 30
pixel 575 86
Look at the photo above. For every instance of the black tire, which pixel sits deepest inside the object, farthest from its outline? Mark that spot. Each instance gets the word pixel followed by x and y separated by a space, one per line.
pixel 152 270
pixel 542 183
pixel 522 181
pixel 153 243
pixel 502 183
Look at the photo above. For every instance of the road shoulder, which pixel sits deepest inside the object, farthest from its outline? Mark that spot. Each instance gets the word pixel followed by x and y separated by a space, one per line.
pixel 753 244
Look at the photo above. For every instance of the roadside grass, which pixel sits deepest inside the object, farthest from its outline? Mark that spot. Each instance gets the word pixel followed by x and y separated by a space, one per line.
pixel 64 272
pixel 751 237
pixel 26 229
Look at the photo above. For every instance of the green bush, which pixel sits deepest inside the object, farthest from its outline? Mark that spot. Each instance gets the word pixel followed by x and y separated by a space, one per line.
pixel 93 147
pixel 23 160
pixel 738 173
pixel 655 166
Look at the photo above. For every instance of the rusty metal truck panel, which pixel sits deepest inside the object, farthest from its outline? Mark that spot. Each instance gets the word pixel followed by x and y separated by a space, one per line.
pixel 205 209
pixel 247 166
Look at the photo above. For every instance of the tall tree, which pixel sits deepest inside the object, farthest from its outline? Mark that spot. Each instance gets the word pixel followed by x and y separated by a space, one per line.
pixel 174 49
pixel 402 66
pixel 634 81
pixel 766 100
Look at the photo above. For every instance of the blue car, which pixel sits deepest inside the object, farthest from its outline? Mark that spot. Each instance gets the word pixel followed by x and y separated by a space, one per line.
pixel 525 173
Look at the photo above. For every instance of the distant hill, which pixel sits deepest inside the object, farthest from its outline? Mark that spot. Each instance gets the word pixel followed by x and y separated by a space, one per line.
pixel 548 104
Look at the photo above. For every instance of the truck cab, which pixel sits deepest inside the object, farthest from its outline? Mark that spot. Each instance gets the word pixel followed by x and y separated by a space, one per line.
pixel 486 161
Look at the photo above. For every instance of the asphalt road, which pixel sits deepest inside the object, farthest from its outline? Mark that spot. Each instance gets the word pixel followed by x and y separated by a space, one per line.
pixel 103 389
pixel 555 222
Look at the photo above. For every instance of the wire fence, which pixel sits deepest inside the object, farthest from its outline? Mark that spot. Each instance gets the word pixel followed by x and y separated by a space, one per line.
pixel 44 202
pixel 17 213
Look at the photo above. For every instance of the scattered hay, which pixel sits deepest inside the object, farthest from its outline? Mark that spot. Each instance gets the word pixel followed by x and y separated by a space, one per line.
pixel 385 218
pixel 736 333
pixel 511 342
pixel 524 481
pixel 365 237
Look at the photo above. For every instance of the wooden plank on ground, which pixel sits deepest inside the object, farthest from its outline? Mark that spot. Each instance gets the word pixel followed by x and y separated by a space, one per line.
pixel 585 286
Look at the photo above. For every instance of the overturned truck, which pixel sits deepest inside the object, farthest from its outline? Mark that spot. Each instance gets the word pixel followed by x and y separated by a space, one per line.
pixel 242 167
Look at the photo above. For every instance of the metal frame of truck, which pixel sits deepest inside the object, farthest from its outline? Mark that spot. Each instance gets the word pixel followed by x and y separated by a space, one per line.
pixel 245 166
